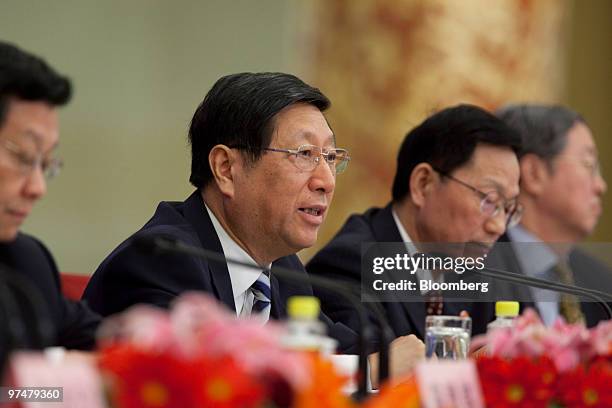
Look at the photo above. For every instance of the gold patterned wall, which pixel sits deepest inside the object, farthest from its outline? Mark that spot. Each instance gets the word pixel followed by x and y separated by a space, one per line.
pixel 387 64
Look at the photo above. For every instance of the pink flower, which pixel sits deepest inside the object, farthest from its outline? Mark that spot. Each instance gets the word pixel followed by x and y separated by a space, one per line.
pixel 567 345
pixel 146 326
pixel 601 339
pixel 199 326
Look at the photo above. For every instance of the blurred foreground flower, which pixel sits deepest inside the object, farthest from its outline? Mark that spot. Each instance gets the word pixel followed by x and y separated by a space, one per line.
pixel 199 355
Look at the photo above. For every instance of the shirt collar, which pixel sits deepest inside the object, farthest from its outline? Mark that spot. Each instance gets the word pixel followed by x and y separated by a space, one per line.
pixel 242 277
pixel 404 234
pixel 534 256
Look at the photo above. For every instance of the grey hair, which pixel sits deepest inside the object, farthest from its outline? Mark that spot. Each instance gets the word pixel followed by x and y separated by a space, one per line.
pixel 542 128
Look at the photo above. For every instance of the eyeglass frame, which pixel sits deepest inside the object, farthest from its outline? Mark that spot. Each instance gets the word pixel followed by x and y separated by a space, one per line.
pixel 511 218
pixel 592 167
pixel 315 160
pixel 27 165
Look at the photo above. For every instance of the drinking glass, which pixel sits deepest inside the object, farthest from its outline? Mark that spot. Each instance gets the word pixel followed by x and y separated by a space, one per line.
pixel 447 337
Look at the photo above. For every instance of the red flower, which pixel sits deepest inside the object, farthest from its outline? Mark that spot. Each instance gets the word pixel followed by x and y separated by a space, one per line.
pixel 587 387
pixel 520 382
pixel 224 384
pixel 148 380
pixel 144 379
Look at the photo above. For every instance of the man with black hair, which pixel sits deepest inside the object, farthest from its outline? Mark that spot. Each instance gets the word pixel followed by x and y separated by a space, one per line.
pixel 30 92
pixel 264 162
pixel 561 190
pixel 456 183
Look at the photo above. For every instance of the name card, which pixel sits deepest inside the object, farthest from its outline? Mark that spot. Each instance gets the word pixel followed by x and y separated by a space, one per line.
pixel 37 381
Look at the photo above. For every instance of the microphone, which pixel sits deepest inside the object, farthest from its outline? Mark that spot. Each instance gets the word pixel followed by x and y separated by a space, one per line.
pixel 521 279
pixel 173 246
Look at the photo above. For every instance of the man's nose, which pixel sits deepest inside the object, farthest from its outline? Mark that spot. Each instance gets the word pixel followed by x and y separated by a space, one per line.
pixel 323 177
pixel 36 185
pixel 496 224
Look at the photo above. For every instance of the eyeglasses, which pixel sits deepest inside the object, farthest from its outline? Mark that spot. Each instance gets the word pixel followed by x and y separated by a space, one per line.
pixel 27 162
pixel 492 203
pixel 590 165
pixel 307 157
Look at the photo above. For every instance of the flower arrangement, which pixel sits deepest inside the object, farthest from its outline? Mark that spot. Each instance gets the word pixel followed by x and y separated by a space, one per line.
pixel 199 355
pixel 533 365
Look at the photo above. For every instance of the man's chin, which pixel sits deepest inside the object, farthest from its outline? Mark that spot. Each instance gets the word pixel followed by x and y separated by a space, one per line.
pixel 8 234
pixel 304 242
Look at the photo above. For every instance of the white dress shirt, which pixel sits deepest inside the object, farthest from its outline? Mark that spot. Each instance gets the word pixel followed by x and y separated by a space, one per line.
pixel 422 274
pixel 241 277
pixel 537 260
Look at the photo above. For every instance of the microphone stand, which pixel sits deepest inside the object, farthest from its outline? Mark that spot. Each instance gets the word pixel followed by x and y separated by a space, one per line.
pixel 385 337
pixel 513 277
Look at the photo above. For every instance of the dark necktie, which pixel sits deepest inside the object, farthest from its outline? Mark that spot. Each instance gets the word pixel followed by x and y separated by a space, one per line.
pixel 261 292
pixel 434 303
pixel 569 306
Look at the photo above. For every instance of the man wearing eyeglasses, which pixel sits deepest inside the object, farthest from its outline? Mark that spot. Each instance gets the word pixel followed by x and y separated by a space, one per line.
pixel 456 183
pixel 264 163
pixel 30 92
pixel 561 190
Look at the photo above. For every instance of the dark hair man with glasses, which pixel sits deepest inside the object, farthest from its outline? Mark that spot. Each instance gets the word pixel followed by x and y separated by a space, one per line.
pixel 561 190
pixel 456 182
pixel 264 162
pixel 30 92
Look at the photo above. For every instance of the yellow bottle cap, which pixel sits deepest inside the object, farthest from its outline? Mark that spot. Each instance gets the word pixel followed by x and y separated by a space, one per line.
pixel 303 307
pixel 506 309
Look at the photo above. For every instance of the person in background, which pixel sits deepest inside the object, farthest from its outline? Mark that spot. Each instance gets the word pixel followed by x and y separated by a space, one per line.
pixel 561 191
pixel 30 94
pixel 457 182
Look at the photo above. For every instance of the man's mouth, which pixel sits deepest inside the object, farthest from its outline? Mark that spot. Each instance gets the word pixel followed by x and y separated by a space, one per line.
pixel 20 215
pixel 312 211
pixel 480 248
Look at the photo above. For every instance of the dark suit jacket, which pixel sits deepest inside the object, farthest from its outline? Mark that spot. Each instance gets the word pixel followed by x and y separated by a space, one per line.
pixel 588 273
pixel 73 324
pixel 340 259
pixel 129 276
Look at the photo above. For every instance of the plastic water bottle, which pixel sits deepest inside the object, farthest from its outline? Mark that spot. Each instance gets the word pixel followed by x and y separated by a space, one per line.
pixel 505 313
pixel 305 332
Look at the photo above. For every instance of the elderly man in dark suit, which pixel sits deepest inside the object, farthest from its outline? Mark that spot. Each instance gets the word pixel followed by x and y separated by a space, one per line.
pixel 30 92
pixel 264 162
pixel 561 190
pixel 456 183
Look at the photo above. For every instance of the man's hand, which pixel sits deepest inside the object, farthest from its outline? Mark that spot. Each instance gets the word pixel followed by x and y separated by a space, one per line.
pixel 405 352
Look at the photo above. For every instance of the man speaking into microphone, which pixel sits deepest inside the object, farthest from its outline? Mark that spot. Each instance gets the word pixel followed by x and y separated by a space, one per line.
pixel 264 163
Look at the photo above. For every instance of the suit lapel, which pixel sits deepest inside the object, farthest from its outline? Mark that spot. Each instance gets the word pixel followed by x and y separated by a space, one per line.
pixel 276 312
pixel 196 214
pixel 506 259
pixel 385 230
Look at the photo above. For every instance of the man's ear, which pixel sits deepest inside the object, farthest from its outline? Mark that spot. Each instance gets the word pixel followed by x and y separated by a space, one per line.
pixel 535 174
pixel 422 181
pixel 222 161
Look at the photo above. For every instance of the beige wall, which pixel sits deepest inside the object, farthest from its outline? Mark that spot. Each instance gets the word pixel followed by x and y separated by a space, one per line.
pixel 140 67
pixel 589 87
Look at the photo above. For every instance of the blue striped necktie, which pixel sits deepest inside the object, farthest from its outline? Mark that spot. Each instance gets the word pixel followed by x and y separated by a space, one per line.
pixel 261 292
